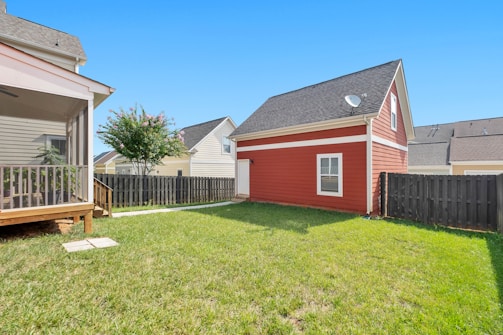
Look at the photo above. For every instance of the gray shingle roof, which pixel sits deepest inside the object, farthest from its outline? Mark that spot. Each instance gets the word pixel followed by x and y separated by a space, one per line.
pixel 429 154
pixel 477 148
pixel 323 101
pixel 479 127
pixel 434 133
pixel 475 140
pixel 18 29
pixel 194 134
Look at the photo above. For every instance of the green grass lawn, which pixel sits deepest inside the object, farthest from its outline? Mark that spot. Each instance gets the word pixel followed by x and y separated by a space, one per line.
pixel 255 269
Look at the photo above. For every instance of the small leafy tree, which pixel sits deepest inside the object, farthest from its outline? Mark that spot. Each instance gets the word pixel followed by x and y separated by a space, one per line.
pixel 142 138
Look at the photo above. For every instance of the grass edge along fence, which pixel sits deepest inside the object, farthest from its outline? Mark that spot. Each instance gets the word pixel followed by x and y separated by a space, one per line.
pixel 467 202
pixel 133 190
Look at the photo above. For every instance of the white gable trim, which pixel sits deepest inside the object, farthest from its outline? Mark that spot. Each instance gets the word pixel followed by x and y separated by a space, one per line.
pixel 403 100
pixel 220 125
pixel 307 143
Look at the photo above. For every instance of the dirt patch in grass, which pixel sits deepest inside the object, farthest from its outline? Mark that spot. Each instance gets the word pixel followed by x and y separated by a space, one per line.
pixel 34 229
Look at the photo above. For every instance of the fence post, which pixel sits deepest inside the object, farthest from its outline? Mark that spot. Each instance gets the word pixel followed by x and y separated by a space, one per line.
pixel 382 179
pixel 499 203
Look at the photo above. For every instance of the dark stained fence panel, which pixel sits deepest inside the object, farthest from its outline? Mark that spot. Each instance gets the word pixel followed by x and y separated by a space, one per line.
pixel 469 202
pixel 129 190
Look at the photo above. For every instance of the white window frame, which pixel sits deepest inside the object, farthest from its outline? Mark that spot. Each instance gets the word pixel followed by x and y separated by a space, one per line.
pixel 319 174
pixel 48 142
pixel 226 139
pixel 393 113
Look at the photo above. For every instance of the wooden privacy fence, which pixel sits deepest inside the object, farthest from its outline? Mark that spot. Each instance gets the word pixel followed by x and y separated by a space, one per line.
pixel 469 202
pixel 131 190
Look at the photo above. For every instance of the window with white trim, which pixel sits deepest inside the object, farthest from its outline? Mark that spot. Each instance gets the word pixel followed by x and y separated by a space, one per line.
pixel 59 142
pixel 226 145
pixel 329 174
pixel 393 112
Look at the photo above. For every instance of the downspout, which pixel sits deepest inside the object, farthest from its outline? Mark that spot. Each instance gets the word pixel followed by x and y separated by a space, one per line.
pixel 369 164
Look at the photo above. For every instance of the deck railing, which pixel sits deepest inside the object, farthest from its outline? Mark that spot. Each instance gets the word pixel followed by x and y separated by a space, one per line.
pixel 103 197
pixel 26 186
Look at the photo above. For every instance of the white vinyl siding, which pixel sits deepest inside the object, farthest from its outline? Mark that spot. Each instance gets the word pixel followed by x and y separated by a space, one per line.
pixel 329 174
pixel 210 160
pixel 21 138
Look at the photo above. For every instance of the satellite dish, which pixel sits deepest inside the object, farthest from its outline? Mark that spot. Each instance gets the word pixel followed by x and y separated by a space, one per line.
pixel 353 100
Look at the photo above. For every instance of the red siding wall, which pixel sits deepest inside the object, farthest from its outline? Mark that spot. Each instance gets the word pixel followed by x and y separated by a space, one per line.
pixel 289 175
pixel 386 158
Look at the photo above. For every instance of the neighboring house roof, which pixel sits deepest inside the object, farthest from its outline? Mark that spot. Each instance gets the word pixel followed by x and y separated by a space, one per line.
pixel 463 141
pixel 479 127
pixel 431 145
pixel 477 148
pixel 439 133
pixel 196 133
pixel 428 154
pixel 105 157
pixel 325 101
pixel 19 30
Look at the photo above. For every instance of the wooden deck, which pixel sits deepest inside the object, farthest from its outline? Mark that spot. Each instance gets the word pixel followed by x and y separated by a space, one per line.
pixel 74 211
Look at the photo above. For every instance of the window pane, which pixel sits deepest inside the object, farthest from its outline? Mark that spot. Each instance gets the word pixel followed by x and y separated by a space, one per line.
pixel 324 166
pixel 226 145
pixel 334 166
pixel 330 184
pixel 60 145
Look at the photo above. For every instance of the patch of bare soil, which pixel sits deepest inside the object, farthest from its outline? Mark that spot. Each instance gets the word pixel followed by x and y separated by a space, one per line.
pixel 34 229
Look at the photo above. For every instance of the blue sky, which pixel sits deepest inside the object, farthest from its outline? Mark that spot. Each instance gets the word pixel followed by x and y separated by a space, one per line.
pixel 200 60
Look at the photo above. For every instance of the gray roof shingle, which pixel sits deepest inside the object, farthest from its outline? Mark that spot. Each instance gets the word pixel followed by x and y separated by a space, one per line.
pixel 477 148
pixel 18 29
pixel 434 133
pixel 430 153
pixel 475 140
pixel 194 134
pixel 479 127
pixel 324 101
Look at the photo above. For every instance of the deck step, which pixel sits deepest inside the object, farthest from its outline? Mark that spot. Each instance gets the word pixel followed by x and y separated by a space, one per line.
pixel 99 212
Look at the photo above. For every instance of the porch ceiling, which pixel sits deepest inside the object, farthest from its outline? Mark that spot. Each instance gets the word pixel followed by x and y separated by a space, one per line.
pixel 30 104
pixel 34 88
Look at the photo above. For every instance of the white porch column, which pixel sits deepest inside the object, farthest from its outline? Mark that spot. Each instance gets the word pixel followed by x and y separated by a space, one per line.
pixel 90 150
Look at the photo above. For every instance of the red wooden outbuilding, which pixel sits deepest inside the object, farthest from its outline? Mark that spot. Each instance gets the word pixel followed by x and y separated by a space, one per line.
pixel 324 145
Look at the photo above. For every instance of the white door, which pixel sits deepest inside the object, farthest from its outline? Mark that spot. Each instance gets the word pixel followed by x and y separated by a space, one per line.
pixel 244 177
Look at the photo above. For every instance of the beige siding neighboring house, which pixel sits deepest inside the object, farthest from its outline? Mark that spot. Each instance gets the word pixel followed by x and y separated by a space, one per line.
pixel 210 153
pixel 459 148
pixel 105 162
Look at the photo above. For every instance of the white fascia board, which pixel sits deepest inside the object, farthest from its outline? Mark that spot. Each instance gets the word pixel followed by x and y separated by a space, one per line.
pixel 357 120
pixel 306 143
pixel 496 162
pixel 25 71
